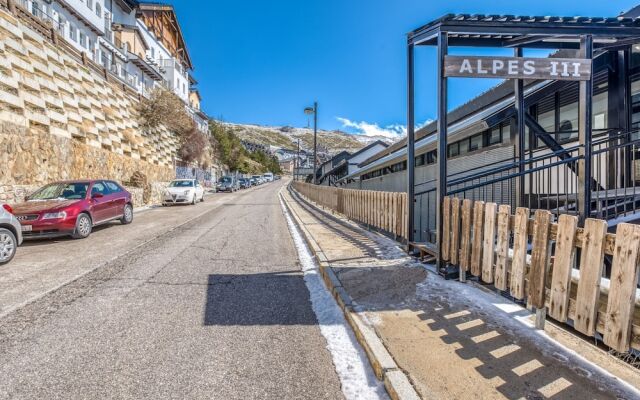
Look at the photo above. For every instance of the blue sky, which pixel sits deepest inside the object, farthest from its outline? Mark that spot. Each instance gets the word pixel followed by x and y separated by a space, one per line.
pixel 262 62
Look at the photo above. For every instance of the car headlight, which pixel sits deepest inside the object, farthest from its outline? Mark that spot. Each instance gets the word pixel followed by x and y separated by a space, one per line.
pixel 55 215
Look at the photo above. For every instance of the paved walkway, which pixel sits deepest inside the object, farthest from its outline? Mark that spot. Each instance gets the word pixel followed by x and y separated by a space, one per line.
pixel 454 340
pixel 216 309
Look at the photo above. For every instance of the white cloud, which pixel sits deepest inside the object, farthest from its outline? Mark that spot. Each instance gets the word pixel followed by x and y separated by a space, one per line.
pixel 364 128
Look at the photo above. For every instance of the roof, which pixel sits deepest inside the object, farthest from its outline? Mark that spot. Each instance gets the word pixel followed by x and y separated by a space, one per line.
pixel 369 146
pixel 512 30
pixel 154 7
pixel 505 88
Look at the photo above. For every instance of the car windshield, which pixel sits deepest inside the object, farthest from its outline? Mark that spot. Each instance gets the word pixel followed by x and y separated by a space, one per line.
pixel 181 184
pixel 225 179
pixel 69 191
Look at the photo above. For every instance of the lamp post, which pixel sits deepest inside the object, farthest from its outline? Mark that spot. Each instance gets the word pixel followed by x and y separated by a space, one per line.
pixel 314 110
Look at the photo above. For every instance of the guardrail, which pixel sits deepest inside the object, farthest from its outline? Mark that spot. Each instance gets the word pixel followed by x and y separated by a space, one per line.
pixel 535 260
pixel 385 211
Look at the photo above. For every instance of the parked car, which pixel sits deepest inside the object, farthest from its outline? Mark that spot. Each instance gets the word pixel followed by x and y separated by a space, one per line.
pixel 258 179
pixel 268 177
pixel 73 208
pixel 228 184
pixel 254 181
pixel 245 183
pixel 183 191
pixel 10 234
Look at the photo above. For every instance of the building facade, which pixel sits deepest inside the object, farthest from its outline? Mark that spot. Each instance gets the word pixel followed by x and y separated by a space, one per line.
pixel 140 43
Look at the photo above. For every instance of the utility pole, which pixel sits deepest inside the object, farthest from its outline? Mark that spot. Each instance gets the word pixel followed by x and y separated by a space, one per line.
pixel 297 163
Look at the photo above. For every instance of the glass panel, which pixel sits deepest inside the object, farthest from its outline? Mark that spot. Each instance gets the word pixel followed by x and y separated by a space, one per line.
pixel 475 142
pixel 548 120
pixel 600 110
pixel 495 136
pixel 568 122
pixel 464 146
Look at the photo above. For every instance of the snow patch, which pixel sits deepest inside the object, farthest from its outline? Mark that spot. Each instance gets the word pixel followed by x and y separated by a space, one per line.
pixel 356 376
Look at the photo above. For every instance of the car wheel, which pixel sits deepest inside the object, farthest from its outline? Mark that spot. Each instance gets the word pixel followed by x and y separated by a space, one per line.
pixel 193 201
pixel 8 245
pixel 127 215
pixel 83 227
pixel 202 198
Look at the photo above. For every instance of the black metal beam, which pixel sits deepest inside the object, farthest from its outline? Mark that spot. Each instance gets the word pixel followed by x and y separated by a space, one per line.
pixel 520 130
pixel 410 144
pixel 441 185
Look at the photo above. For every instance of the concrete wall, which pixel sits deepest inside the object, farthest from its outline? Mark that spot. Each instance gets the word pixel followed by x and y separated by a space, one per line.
pixel 60 119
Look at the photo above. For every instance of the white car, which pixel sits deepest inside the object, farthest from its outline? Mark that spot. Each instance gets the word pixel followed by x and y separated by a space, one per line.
pixel 183 191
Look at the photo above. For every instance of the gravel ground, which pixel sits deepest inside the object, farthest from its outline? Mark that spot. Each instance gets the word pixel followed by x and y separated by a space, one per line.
pixel 215 309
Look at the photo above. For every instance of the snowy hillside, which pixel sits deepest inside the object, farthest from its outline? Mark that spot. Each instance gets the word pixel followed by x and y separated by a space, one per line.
pixel 286 137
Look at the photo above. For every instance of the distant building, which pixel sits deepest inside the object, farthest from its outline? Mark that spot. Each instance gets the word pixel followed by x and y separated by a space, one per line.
pixel 344 163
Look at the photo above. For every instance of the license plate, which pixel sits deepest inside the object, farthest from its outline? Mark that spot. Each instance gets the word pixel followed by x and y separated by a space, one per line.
pixel 26 228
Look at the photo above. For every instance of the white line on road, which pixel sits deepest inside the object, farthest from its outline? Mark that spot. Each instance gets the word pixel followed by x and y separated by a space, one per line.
pixel 356 376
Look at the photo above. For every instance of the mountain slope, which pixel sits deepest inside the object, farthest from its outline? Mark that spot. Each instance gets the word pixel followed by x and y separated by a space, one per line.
pixel 286 137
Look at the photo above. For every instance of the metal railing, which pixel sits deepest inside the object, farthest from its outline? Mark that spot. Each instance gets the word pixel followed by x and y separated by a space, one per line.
pixel 549 180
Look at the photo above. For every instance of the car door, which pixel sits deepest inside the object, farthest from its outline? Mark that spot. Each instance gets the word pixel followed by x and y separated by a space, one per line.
pixel 100 202
pixel 199 190
pixel 118 199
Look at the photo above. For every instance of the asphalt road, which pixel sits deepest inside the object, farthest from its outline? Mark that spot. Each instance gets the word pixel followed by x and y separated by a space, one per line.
pixel 216 308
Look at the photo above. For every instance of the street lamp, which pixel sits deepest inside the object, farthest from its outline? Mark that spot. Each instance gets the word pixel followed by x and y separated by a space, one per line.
pixel 314 110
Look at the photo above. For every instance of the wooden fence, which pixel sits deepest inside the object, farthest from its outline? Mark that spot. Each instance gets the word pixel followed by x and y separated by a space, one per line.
pixel 535 259
pixel 386 211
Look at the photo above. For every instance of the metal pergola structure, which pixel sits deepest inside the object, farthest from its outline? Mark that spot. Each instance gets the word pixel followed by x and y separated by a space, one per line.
pixel 506 31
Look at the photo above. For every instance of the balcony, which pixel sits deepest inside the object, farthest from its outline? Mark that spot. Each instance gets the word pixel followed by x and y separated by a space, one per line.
pixel 151 70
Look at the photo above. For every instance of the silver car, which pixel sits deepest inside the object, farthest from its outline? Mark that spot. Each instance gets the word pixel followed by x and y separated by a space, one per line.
pixel 10 234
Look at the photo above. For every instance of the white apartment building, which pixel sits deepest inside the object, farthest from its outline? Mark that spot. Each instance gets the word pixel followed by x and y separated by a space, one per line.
pixel 139 42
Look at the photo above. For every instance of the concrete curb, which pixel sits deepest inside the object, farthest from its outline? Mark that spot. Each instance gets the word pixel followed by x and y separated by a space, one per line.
pixel 395 381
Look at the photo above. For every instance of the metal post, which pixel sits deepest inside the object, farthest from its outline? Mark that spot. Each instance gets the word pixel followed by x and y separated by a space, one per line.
pixel 521 132
pixel 315 144
pixel 410 145
pixel 297 163
pixel 441 187
pixel 584 134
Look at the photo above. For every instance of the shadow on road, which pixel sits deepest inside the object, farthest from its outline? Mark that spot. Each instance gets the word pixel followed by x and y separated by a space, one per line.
pixel 258 299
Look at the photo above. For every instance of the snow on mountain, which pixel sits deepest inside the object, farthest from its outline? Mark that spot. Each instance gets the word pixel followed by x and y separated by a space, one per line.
pixel 286 137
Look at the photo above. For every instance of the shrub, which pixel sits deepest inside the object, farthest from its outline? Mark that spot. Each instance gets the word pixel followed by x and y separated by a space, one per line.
pixel 165 108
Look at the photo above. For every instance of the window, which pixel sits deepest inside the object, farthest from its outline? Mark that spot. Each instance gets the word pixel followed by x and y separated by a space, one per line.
pixel 494 136
pixel 90 3
pixel 99 187
pixel 82 40
pixel 98 10
pixel 113 187
pixel 475 142
pixel 464 146
pixel 73 34
pixel 453 150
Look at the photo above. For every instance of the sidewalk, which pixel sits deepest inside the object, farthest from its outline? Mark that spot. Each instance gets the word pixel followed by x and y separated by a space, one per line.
pixel 453 340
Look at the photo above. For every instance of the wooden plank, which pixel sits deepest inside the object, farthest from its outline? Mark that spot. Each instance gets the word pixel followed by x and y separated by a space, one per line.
pixel 476 244
pixel 455 231
pixel 446 227
pixel 465 235
pixel 591 264
pixel 624 277
pixel 519 261
pixel 539 258
pixel 489 241
pixel 562 266
pixel 502 248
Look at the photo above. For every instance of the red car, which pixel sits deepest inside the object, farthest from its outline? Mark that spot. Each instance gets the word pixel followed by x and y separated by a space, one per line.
pixel 73 208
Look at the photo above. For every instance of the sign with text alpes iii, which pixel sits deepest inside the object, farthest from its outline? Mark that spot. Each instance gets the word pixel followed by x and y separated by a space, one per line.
pixel 568 69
